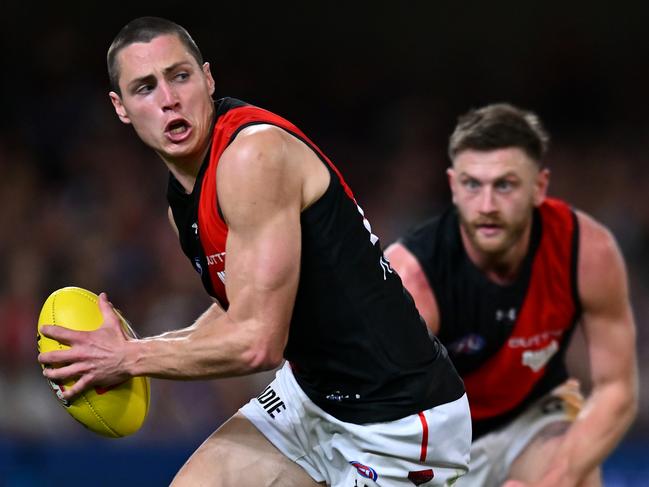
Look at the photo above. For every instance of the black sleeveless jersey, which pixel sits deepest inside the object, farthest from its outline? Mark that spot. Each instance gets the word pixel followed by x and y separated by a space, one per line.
pixel 507 342
pixel 357 345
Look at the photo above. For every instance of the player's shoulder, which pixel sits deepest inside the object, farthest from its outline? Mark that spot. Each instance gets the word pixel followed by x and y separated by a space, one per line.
pixel 599 254
pixel 259 143
pixel 258 165
pixel 595 236
pixel 602 275
pixel 402 258
pixel 227 103
pixel 258 152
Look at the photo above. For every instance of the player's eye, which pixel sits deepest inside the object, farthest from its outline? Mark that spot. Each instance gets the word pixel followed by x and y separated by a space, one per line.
pixel 144 89
pixel 504 186
pixel 471 184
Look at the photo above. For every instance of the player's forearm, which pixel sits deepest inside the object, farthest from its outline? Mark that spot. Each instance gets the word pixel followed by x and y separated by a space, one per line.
pixel 600 426
pixel 211 348
pixel 211 313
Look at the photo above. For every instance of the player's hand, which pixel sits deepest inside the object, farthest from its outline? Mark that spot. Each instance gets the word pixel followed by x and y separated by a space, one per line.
pixel 95 358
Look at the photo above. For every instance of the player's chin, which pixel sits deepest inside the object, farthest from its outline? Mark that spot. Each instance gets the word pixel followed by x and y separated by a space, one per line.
pixel 494 244
pixel 178 150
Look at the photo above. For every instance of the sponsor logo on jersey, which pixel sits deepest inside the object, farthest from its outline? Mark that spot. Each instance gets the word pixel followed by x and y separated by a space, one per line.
pixel 221 275
pixel 537 359
pixel 271 402
pixel 198 266
pixel 419 477
pixel 216 259
pixel 506 316
pixel 468 345
pixel 339 396
pixel 364 470
pixel 385 265
pixel 534 340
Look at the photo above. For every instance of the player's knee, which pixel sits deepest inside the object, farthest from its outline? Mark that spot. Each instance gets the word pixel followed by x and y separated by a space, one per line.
pixel 212 460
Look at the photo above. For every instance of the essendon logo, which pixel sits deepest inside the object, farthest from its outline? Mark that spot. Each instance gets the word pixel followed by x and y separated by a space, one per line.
pixel 364 470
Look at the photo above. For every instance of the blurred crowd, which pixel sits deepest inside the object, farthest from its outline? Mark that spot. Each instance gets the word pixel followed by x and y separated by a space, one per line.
pixel 83 203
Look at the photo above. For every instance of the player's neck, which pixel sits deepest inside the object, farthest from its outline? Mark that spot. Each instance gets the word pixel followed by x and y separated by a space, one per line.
pixel 186 170
pixel 501 268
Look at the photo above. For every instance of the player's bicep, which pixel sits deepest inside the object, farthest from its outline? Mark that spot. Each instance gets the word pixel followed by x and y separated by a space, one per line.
pixel 415 281
pixel 607 317
pixel 263 261
pixel 260 197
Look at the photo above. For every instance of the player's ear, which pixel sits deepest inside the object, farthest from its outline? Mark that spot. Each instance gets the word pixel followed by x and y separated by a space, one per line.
pixel 208 76
pixel 119 107
pixel 541 186
pixel 452 181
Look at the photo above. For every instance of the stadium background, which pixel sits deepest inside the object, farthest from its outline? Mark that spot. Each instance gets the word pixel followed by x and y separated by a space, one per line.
pixel 378 86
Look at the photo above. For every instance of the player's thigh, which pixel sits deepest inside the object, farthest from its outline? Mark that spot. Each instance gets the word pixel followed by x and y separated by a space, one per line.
pixel 535 459
pixel 238 455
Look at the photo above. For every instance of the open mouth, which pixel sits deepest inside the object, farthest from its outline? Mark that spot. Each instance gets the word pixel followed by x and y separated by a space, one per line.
pixel 488 228
pixel 177 130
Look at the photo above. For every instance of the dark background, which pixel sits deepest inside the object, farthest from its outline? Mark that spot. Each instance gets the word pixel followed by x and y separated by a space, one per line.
pixel 378 86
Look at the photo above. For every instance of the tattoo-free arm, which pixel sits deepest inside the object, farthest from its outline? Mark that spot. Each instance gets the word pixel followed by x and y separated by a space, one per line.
pixel 260 192
pixel 610 334
pixel 415 281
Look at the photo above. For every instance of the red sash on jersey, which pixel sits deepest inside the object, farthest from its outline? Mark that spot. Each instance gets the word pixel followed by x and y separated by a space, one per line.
pixel 548 311
pixel 212 229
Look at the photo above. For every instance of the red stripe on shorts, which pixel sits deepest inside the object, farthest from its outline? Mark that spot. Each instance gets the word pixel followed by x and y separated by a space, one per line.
pixel 424 437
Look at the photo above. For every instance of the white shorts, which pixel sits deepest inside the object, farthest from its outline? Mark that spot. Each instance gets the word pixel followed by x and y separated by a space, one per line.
pixel 430 448
pixel 492 455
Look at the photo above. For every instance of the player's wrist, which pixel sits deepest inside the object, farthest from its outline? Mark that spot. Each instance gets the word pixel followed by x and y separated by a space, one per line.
pixel 132 362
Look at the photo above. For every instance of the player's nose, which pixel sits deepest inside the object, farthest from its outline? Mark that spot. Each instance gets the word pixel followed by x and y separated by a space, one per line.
pixel 487 203
pixel 168 96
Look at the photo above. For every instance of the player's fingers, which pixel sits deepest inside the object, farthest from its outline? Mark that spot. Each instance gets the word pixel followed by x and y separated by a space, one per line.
pixel 57 357
pixel 114 318
pixel 71 371
pixel 107 310
pixel 60 334
pixel 78 387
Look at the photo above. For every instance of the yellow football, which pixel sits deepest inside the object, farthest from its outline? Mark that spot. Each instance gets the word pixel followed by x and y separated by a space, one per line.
pixel 115 411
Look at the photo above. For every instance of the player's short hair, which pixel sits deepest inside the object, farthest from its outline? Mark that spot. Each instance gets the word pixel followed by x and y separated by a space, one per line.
pixel 499 126
pixel 145 29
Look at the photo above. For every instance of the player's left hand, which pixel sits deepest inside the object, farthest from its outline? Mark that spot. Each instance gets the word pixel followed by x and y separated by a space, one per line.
pixel 95 358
